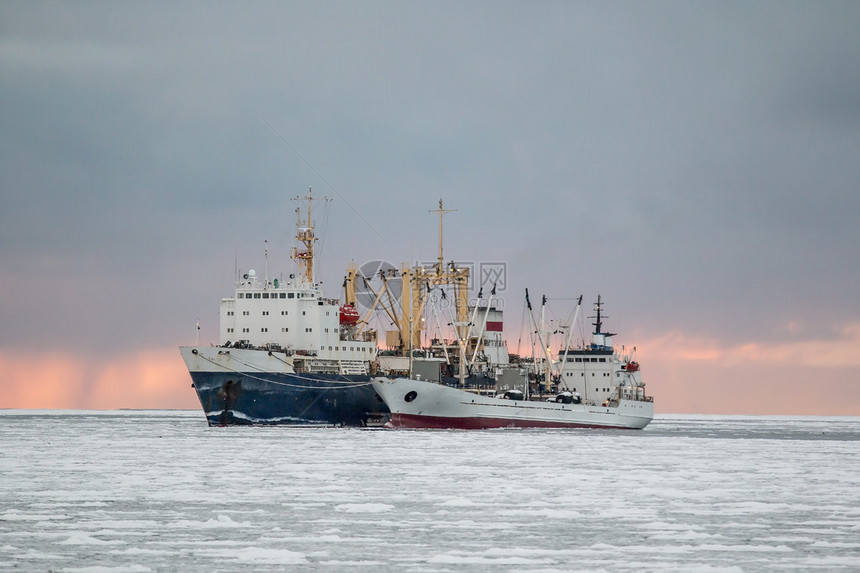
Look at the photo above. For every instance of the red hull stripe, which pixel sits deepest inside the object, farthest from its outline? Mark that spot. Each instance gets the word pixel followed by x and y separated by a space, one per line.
pixel 445 423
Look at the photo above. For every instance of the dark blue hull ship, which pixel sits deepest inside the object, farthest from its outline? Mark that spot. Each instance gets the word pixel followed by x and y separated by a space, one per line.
pixel 257 396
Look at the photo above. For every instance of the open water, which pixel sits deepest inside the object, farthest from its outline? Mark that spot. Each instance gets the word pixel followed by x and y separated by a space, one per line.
pixel 134 491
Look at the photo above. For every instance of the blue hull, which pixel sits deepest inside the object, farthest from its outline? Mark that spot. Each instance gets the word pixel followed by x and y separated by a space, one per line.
pixel 233 398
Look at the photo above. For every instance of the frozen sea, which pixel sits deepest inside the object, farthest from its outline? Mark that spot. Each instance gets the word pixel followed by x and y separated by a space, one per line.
pixel 137 491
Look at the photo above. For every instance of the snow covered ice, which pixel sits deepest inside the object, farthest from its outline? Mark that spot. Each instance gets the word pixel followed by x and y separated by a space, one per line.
pixel 139 491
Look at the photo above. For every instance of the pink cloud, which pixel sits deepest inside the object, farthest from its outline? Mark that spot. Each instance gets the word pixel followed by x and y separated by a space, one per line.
pixel 843 351
pixel 40 380
pixel 813 377
pixel 147 379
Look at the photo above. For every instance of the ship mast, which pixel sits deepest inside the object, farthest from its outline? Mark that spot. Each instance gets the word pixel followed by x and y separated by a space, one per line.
pixel 597 322
pixel 418 282
pixel 600 340
pixel 305 236
pixel 441 211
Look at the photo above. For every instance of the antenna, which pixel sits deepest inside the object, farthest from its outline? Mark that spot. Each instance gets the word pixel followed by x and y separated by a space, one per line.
pixel 599 322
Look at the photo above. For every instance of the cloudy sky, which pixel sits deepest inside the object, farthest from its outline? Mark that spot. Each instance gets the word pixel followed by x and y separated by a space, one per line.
pixel 696 163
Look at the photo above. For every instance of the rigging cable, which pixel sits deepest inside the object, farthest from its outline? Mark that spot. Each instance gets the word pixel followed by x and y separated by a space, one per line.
pixel 297 375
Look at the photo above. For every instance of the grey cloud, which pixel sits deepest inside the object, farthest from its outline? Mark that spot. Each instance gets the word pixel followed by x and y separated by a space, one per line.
pixel 697 162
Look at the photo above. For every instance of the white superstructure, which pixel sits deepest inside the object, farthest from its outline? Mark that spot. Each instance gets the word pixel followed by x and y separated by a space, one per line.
pixel 596 371
pixel 292 316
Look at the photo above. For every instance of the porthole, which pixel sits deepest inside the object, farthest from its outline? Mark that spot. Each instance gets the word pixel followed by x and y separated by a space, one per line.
pixel 411 395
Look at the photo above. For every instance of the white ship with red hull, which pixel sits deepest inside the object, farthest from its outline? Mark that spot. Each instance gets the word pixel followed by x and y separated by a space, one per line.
pixel 589 387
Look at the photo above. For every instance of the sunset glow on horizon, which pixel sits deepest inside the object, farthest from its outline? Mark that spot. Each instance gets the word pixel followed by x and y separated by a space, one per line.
pixel 685 376
pixel 155 379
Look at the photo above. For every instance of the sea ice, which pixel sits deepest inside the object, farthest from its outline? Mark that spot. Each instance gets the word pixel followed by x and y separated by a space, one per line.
pixel 134 491
pixel 363 507
pixel 261 555
pixel 85 539
pixel 107 569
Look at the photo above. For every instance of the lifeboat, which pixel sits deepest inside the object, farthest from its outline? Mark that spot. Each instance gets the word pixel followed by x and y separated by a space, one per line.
pixel 633 367
pixel 348 315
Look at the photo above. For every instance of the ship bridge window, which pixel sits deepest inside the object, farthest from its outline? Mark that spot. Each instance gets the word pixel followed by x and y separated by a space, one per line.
pixel 594 359
pixel 578 359
pixel 265 295
pixel 282 295
pixel 256 295
pixel 291 295
pixel 603 359
pixel 241 295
